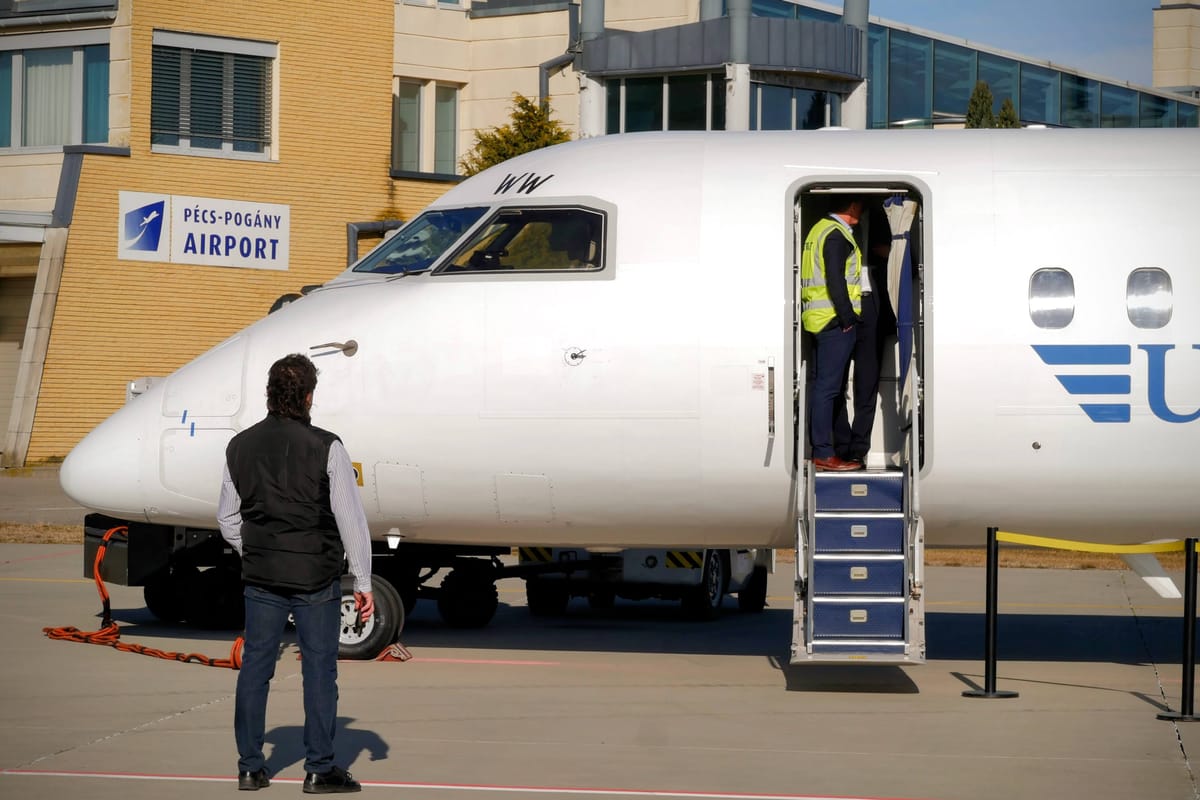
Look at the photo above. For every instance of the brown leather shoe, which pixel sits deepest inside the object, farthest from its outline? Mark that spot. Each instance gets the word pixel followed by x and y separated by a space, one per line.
pixel 835 464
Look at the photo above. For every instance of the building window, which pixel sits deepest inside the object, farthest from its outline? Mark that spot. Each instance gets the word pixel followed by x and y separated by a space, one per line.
pixel 953 78
pixel 693 102
pixel 910 79
pixel 1080 102
pixel 406 128
pixel 425 127
pixel 54 95
pixel 1148 298
pixel 687 102
pixel 1051 298
pixel 1118 107
pixel 1156 112
pixel 1188 116
pixel 211 96
pixel 445 133
pixel 643 104
pixel 1001 76
pixel 782 108
pixel 1039 94
pixel 877 76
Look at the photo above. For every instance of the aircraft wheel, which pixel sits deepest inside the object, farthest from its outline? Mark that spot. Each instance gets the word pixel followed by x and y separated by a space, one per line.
pixel 468 596
pixel 166 593
pixel 214 599
pixel 546 598
pixel 405 578
pixel 376 633
pixel 602 599
pixel 703 602
pixel 753 596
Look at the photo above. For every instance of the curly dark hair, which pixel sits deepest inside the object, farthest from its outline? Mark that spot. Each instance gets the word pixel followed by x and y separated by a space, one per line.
pixel 289 383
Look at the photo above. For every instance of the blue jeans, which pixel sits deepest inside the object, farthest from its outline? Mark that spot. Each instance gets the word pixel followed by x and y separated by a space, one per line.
pixel 831 357
pixel 318 621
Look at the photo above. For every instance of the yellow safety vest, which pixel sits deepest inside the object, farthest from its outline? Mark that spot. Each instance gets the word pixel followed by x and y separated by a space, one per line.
pixel 816 309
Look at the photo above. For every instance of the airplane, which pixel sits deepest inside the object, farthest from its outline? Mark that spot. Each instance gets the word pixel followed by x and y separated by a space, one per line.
pixel 591 352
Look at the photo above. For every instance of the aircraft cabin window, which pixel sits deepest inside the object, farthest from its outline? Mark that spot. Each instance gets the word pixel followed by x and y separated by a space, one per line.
pixel 536 239
pixel 1148 297
pixel 1051 298
pixel 419 244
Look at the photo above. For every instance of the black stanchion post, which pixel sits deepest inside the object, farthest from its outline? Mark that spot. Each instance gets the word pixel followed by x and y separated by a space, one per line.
pixel 1187 691
pixel 989 643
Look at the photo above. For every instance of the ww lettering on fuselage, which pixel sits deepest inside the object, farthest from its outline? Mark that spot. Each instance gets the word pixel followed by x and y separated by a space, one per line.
pixel 528 182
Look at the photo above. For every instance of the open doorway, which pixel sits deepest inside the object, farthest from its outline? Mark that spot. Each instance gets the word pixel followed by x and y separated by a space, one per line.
pixel 888 235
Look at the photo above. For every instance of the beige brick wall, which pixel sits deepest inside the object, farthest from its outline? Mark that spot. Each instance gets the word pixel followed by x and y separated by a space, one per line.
pixel 1176 46
pixel 117 320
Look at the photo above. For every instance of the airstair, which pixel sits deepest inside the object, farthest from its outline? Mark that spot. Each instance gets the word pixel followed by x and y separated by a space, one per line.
pixel 859 567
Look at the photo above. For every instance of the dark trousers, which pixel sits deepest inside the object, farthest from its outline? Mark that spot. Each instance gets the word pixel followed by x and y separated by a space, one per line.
pixel 830 357
pixel 853 439
pixel 317 616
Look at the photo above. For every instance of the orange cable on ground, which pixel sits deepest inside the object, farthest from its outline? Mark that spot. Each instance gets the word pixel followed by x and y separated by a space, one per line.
pixel 110 634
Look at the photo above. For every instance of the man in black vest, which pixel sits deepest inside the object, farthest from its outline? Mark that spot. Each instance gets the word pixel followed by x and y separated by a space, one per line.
pixel 290 507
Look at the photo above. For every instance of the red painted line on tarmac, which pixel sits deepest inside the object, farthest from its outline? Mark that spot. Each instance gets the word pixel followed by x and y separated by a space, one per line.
pixel 452 787
pixel 488 661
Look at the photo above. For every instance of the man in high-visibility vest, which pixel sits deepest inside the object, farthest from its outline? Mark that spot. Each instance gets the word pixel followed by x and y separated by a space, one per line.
pixel 831 303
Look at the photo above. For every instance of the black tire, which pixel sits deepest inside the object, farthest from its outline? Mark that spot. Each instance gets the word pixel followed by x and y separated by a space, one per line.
pixel 752 598
pixel 546 598
pixel 602 599
pixel 214 599
pixel 405 578
pixel 468 596
pixel 377 632
pixel 703 602
pixel 166 593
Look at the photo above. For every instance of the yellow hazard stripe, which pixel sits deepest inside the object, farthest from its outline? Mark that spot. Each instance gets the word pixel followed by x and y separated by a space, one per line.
pixel 543 554
pixel 1089 547
pixel 685 559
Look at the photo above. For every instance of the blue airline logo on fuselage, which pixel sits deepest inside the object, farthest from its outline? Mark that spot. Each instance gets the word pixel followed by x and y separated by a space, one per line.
pixel 1117 384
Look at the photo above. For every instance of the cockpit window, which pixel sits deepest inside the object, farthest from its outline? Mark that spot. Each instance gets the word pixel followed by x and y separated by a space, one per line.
pixel 420 243
pixel 534 239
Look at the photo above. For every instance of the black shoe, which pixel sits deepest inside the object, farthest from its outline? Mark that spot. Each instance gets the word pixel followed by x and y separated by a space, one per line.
pixel 335 780
pixel 253 781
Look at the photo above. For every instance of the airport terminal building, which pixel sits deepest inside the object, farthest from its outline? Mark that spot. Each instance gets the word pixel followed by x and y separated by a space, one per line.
pixel 168 171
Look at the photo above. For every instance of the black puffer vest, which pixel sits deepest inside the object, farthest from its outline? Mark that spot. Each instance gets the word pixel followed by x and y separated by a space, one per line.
pixel 290 539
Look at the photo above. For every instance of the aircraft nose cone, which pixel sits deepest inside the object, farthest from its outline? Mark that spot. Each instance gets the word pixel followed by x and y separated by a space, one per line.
pixel 103 472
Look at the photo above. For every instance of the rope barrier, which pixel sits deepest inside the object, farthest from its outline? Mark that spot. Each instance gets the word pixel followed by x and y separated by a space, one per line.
pixel 110 633
pixel 1186 711
pixel 1175 546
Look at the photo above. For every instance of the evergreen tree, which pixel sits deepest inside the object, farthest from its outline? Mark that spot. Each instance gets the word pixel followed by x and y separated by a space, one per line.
pixel 530 127
pixel 979 107
pixel 1008 115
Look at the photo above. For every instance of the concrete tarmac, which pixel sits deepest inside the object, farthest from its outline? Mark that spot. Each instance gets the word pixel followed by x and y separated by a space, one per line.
pixel 629 702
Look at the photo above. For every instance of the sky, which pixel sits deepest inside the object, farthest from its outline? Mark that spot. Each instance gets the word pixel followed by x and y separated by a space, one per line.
pixel 1109 38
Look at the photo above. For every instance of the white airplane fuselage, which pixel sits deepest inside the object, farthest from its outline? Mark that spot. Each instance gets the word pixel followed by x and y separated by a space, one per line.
pixel 649 404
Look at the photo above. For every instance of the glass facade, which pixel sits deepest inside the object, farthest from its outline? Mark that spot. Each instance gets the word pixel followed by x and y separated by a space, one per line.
pixel 915 79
